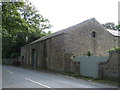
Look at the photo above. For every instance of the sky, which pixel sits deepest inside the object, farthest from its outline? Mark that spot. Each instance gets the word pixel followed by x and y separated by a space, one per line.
pixel 65 13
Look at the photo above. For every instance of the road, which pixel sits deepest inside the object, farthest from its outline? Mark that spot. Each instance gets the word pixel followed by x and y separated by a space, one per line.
pixel 16 77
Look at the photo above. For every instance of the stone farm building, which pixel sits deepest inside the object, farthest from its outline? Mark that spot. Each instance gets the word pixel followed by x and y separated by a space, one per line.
pixel 54 52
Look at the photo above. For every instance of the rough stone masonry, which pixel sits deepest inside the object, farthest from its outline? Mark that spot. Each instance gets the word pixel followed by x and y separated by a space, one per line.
pixel 54 52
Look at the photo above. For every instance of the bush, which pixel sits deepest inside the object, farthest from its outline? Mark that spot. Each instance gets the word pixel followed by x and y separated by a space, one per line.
pixel 89 53
pixel 114 49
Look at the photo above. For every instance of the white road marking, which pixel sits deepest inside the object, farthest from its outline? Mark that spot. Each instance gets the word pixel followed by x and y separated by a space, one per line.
pixel 9 71
pixel 61 75
pixel 38 83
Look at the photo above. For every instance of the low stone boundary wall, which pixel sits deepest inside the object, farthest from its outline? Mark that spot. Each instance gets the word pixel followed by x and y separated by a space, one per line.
pixel 9 61
pixel 111 68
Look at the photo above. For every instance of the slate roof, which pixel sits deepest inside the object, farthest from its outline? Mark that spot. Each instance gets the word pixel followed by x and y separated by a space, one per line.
pixel 113 32
pixel 64 30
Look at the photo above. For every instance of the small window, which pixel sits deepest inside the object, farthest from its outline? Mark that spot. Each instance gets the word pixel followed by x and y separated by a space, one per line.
pixel 93 34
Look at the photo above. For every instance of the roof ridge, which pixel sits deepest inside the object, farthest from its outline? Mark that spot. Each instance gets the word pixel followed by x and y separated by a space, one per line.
pixel 64 30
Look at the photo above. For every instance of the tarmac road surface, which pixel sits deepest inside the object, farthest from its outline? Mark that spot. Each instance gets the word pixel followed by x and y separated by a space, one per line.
pixel 16 77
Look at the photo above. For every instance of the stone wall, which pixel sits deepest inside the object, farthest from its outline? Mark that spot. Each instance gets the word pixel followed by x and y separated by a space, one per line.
pixel 46 54
pixel 111 68
pixel 79 40
pixel 55 52
pixel 70 65
pixel 49 54
pixel 9 61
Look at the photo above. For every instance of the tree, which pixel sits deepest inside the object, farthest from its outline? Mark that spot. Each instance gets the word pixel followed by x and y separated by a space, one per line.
pixel 110 25
pixel 118 27
pixel 11 24
pixel 36 21
pixel 21 24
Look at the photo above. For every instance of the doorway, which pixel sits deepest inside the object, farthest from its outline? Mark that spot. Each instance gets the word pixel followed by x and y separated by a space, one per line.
pixel 33 61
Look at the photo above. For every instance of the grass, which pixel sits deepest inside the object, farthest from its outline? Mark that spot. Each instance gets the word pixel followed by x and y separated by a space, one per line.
pixel 32 68
pixel 91 79
pixel 108 81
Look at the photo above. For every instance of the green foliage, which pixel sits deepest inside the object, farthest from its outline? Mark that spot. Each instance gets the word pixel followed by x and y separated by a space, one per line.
pixel 112 26
pixel 118 27
pixel 21 24
pixel 49 33
pixel 89 53
pixel 114 49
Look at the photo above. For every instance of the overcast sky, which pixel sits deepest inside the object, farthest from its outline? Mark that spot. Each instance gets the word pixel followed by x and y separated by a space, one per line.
pixel 65 13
